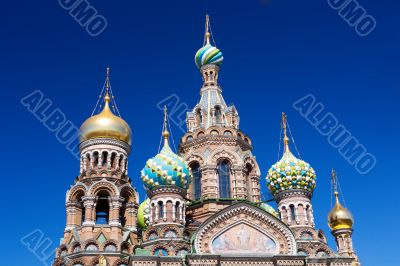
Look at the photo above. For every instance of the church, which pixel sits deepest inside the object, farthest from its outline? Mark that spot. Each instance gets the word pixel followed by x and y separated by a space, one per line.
pixel 203 204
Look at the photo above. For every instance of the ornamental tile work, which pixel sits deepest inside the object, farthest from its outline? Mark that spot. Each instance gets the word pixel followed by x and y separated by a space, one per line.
pixel 203 204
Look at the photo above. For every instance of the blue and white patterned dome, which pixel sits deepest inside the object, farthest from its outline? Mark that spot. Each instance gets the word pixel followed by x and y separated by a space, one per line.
pixel 290 173
pixel 208 54
pixel 166 168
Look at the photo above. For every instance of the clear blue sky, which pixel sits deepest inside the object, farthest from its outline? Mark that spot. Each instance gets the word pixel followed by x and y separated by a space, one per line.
pixel 275 53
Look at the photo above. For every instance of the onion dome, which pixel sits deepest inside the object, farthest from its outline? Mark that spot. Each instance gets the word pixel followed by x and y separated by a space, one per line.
pixel 166 168
pixel 106 124
pixel 208 54
pixel 268 208
pixel 339 217
pixel 290 172
pixel 144 214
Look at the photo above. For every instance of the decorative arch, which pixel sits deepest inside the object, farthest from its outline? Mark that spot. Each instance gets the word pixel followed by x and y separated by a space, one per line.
pixel 223 153
pixel 103 184
pixel 167 228
pixel 74 192
pixel 89 242
pixel 195 157
pixel 158 249
pixel 276 237
pixel 127 190
pixel 73 246
pixel 253 163
pixel 152 235
pixel 110 242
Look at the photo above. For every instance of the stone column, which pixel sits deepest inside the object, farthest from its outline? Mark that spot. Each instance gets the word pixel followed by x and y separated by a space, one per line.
pixel 115 206
pixel 71 215
pixel 209 182
pixel 85 162
pixel 109 160
pixel 90 210
pixel 131 215
pixel 164 211
pixel 117 159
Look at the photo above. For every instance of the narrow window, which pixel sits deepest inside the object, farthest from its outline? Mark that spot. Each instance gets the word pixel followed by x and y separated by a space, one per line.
pixel 224 179
pixel 196 180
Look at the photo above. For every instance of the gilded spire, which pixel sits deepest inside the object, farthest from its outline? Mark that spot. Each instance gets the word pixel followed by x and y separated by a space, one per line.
pixel 165 128
pixel 285 137
pixel 107 95
pixel 335 192
pixel 207 32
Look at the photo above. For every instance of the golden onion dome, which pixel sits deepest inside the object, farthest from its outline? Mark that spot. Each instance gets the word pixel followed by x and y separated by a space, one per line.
pixel 340 217
pixel 106 125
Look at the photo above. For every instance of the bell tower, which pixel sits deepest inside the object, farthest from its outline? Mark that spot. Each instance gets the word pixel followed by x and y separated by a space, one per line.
pixel 101 205
pixel 218 152
pixel 163 216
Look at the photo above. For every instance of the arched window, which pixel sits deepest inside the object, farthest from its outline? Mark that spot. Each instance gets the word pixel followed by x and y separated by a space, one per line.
pixel 196 172
pixel 306 236
pixel 113 156
pixel 160 210
pixel 224 179
pixel 110 248
pixel 76 249
pixel 228 133
pixel 102 209
pixel 170 234
pixel 92 247
pixel 292 213
pixel 104 155
pixel 161 252
pixel 121 161
pixel 95 159
pixel 177 213
pixel 88 161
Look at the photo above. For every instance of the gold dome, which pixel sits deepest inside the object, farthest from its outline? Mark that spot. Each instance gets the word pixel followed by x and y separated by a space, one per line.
pixel 106 125
pixel 340 217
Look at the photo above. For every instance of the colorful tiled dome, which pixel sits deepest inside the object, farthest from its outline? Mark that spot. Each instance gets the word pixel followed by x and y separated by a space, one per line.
pixel 166 168
pixel 290 173
pixel 208 54
pixel 144 214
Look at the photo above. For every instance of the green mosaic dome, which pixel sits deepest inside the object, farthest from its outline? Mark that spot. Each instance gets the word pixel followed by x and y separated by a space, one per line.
pixel 166 169
pixel 290 173
pixel 144 214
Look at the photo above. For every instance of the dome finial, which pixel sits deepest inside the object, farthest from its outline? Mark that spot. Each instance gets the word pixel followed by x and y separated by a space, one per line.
pixel 107 95
pixel 207 32
pixel 339 217
pixel 285 137
pixel 165 128
pixel 335 192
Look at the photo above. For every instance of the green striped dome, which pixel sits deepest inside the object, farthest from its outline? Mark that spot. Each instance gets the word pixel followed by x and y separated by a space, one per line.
pixel 208 54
